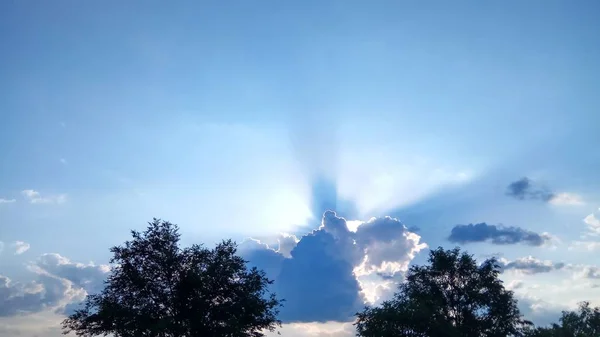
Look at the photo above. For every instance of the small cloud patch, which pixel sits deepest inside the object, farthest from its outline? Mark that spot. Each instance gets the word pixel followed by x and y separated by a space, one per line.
pixel 35 197
pixel 20 247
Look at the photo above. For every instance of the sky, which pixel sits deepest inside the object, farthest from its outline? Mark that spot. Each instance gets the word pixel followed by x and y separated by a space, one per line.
pixel 294 128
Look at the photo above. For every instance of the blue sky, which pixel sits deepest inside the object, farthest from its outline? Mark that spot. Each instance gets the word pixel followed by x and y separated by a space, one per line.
pixel 249 119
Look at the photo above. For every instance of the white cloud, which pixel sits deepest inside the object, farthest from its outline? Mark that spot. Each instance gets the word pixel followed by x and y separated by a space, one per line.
pixel 566 199
pixel 7 201
pixel 20 247
pixel 326 329
pixel 35 197
pixel 593 224
pixel 585 245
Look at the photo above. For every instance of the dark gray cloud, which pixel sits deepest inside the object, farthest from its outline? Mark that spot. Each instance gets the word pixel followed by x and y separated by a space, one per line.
pixel 525 188
pixel 320 280
pixel 530 265
pixel 499 235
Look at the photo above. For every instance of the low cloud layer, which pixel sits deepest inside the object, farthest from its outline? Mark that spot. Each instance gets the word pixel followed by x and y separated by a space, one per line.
pixel 332 271
pixel 499 235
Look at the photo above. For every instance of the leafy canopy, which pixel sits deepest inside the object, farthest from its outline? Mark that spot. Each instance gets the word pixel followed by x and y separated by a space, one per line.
pixel 452 296
pixel 158 289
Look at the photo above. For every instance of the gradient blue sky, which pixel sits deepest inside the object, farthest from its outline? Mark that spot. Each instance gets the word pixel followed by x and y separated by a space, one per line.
pixel 223 116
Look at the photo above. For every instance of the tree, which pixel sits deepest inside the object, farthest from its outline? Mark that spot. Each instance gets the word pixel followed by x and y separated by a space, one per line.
pixel 452 296
pixel 158 289
pixel 584 323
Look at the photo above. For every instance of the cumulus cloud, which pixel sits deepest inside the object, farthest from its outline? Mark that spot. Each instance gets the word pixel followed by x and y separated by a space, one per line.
pixel 35 197
pixel 530 265
pixel 20 247
pixel 325 276
pixel 60 283
pixel 89 276
pixel 48 292
pixel 7 201
pixel 526 189
pixel 499 235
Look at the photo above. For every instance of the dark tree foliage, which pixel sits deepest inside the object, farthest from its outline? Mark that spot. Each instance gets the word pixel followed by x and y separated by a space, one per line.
pixel 452 296
pixel 584 323
pixel 158 289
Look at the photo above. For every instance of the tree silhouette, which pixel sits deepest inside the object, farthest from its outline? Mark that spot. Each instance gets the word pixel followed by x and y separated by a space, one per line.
pixel 583 323
pixel 158 289
pixel 452 296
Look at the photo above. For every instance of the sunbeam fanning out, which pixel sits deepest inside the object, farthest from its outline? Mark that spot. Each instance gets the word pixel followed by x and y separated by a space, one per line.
pixel 325 197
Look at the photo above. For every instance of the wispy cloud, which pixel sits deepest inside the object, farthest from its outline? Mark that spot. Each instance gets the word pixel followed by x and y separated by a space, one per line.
pixel 20 247
pixel 526 189
pixel 63 161
pixel 7 201
pixel 585 245
pixel 35 197
pixel 566 199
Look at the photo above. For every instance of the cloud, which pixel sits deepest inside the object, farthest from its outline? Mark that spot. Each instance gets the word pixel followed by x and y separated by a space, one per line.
pixel 593 224
pixel 530 265
pixel 60 284
pixel 325 276
pixel 48 292
pixel 564 199
pixel 89 276
pixel 327 329
pixel 585 245
pixel 63 161
pixel 514 285
pixel 20 247
pixel 35 197
pixel 587 272
pixel 499 235
pixel 540 312
pixel 526 189
pixel 7 201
